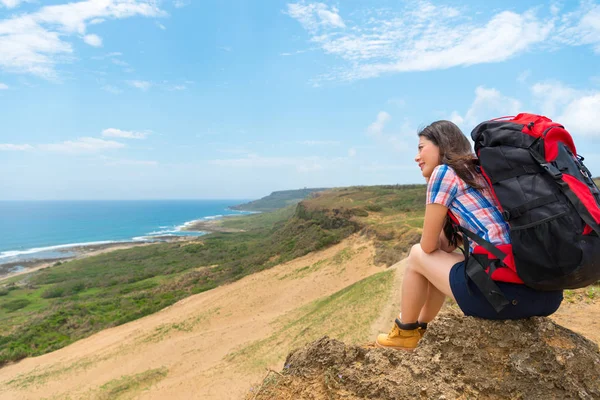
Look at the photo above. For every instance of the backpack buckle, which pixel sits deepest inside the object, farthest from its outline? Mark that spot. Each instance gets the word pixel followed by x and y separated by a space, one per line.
pixel 552 170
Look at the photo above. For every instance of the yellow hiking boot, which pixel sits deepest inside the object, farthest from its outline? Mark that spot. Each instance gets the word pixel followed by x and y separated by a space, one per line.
pixel 401 339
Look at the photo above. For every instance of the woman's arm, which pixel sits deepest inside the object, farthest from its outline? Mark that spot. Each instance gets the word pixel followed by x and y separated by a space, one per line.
pixel 435 216
pixel 445 243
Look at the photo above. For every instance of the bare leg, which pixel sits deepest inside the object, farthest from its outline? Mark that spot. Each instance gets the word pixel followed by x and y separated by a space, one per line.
pixel 414 294
pixel 422 271
pixel 433 304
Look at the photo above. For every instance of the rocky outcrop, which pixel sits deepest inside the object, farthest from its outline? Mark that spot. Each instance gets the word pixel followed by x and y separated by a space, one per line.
pixel 459 358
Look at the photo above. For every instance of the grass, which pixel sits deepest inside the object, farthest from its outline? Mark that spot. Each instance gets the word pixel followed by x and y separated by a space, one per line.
pixel 258 221
pixel 589 294
pixel 40 377
pixel 129 386
pixel 346 315
pixel 163 331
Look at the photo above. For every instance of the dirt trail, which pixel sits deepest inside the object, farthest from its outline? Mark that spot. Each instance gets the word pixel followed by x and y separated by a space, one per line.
pixel 180 350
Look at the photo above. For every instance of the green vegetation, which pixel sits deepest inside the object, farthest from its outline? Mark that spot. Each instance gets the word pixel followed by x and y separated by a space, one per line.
pixel 53 307
pixel 278 200
pixel 128 386
pixel 347 315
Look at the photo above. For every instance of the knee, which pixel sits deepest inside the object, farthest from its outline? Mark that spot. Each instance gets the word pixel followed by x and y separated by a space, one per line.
pixel 415 255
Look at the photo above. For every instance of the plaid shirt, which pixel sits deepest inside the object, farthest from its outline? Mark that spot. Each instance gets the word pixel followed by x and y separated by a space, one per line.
pixel 475 210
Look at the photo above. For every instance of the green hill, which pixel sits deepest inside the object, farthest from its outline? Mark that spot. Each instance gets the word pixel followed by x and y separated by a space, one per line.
pixel 278 200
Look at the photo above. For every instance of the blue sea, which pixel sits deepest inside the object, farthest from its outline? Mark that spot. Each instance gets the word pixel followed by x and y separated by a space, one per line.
pixel 47 229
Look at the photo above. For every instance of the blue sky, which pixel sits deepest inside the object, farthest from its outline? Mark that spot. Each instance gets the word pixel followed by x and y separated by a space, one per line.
pixel 125 99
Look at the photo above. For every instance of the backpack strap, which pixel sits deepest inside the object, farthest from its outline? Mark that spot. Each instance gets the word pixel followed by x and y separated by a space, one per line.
pixel 516 212
pixel 475 269
pixel 566 190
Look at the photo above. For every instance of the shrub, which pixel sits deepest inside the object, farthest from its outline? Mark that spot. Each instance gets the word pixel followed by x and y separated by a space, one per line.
pixel 62 290
pixel 15 305
pixel 373 207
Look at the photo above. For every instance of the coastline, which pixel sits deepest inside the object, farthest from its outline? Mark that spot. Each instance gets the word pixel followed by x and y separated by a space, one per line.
pixel 76 252
pixel 82 251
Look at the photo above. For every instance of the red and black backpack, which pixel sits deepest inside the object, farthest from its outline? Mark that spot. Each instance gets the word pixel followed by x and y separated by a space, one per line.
pixel 550 201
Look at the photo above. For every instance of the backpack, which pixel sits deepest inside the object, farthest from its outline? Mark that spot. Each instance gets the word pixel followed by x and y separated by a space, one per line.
pixel 549 200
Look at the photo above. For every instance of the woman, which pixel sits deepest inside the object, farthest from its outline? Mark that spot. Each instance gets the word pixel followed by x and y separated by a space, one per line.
pixel 433 269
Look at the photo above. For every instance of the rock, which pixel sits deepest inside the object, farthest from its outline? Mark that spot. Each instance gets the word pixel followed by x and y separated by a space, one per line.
pixel 459 357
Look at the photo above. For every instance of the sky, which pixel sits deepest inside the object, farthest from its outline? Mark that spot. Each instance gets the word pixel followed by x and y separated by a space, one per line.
pixel 190 99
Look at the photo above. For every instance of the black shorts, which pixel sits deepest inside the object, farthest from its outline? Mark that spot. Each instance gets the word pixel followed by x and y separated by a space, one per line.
pixel 524 301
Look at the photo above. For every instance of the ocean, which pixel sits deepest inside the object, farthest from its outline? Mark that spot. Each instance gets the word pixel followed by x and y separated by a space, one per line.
pixel 32 230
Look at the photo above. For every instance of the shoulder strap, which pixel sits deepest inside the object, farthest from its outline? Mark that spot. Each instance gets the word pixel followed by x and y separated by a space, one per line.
pixel 564 187
pixel 476 271
pixel 483 243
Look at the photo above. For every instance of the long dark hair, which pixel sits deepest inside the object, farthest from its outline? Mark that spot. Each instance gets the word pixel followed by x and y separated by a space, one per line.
pixel 455 151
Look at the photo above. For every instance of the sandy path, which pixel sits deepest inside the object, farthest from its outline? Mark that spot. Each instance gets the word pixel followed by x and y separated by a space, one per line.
pixel 190 338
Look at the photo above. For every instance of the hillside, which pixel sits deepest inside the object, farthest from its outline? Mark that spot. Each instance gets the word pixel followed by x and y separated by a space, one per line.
pixel 56 306
pixel 276 200
pixel 216 344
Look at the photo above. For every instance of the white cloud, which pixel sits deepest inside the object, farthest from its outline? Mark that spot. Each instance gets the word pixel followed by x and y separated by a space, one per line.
pixel 300 164
pixel 376 128
pixel 181 3
pixel 118 133
pixel 3 86
pixel 523 76
pixel 82 145
pixel 577 110
pixel 34 43
pixel 581 115
pixel 93 40
pixel 352 152
pixel 12 3
pixel 315 15
pixel 394 141
pixel 580 27
pixel 488 104
pixel 119 62
pixel 552 96
pixel 161 26
pixel 143 85
pixel 107 55
pixel 424 36
pixel 15 147
pixel 456 118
